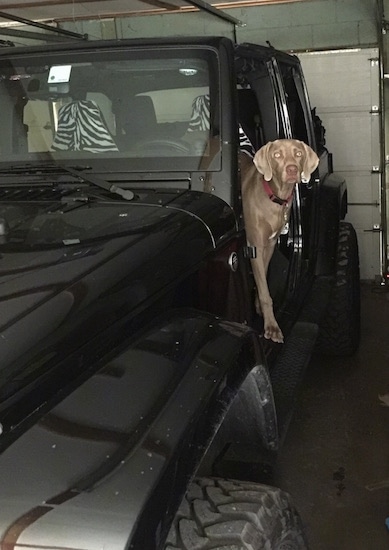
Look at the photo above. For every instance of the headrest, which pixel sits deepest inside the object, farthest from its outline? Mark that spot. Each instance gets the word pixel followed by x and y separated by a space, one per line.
pixel 81 127
pixel 200 118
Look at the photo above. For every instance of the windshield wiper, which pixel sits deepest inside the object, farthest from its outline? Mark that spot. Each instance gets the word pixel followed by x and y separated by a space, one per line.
pixel 90 178
pixel 30 168
pixel 76 171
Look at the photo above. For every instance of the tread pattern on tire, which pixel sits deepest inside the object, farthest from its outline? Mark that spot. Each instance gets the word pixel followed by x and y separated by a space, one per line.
pixel 222 514
pixel 340 329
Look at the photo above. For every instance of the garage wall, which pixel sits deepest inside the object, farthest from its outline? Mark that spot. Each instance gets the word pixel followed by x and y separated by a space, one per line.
pixel 310 24
pixel 344 86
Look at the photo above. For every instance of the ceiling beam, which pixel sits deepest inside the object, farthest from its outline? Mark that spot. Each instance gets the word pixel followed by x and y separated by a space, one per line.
pixel 42 26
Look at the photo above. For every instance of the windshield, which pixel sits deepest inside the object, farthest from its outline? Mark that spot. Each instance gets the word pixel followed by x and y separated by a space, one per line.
pixel 140 109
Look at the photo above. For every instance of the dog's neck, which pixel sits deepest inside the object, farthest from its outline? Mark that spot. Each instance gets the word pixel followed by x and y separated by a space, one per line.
pixel 275 198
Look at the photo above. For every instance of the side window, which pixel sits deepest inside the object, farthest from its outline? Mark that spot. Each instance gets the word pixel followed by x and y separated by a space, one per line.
pixel 261 91
pixel 297 104
pixel 39 121
pixel 250 117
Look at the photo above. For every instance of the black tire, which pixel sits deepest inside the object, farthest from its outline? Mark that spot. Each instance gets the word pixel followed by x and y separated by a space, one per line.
pixel 221 514
pixel 339 332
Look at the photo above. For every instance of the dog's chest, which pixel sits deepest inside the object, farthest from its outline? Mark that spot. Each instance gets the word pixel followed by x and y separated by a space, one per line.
pixel 281 218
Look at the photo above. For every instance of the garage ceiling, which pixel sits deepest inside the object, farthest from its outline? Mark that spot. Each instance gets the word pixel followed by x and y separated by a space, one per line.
pixel 70 10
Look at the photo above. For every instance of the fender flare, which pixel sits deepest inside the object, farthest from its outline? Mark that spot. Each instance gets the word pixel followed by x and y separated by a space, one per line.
pixel 134 432
pixel 223 366
pixel 332 209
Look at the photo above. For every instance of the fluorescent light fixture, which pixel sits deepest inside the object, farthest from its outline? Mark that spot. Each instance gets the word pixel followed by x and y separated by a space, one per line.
pixel 188 72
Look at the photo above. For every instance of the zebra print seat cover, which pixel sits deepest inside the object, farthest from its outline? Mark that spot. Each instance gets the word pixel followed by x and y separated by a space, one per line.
pixel 200 121
pixel 245 144
pixel 81 128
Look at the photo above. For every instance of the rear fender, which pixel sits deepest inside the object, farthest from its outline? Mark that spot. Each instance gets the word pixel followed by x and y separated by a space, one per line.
pixel 332 201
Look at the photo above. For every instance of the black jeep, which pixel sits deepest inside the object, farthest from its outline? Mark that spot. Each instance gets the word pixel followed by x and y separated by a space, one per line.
pixel 134 377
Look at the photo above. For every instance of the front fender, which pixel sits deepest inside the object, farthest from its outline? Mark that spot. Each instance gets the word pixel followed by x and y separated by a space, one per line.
pixel 109 465
pixel 220 357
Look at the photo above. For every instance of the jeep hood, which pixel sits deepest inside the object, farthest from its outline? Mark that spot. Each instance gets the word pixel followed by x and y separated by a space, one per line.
pixel 74 282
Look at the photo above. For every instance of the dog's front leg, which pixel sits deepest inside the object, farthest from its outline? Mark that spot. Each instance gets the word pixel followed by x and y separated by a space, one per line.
pixel 260 264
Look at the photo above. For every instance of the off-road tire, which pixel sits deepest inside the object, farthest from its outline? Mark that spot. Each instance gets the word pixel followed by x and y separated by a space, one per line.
pixel 339 331
pixel 221 514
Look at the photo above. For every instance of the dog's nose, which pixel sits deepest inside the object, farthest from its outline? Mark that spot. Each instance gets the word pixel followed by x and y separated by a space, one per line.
pixel 291 170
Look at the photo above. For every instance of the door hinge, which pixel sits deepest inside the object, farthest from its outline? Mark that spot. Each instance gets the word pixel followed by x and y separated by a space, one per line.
pixel 375 229
pixel 375 110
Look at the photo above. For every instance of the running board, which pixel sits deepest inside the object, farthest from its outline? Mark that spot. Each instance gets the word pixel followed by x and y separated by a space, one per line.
pixel 288 372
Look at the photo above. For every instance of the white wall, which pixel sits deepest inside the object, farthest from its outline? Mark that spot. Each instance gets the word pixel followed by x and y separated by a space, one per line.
pixel 344 86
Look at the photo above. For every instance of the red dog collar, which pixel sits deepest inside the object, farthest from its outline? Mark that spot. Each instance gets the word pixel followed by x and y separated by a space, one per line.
pixel 273 197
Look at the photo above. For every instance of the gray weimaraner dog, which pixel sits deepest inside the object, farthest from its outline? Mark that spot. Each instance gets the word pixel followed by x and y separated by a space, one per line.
pixel 268 183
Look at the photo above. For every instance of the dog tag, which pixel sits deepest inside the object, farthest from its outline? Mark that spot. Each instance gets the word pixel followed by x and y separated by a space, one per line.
pixel 285 229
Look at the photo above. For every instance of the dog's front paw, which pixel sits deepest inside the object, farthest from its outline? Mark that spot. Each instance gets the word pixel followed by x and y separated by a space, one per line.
pixel 274 333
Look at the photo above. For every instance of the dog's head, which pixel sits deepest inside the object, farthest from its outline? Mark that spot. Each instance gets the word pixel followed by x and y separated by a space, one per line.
pixel 286 161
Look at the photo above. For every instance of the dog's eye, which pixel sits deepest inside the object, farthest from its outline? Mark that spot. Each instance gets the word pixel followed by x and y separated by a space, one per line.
pixel 277 155
pixel 299 154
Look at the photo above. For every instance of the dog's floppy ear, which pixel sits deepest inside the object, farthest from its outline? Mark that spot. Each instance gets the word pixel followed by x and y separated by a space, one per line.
pixel 262 161
pixel 310 163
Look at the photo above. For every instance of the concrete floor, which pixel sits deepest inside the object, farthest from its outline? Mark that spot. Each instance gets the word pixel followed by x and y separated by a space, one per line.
pixel 335 459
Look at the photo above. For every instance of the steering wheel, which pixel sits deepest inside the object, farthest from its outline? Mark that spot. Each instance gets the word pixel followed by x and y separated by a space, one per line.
pixel 163 147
